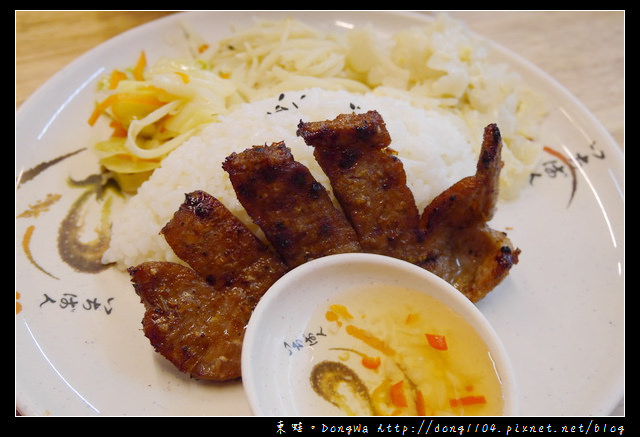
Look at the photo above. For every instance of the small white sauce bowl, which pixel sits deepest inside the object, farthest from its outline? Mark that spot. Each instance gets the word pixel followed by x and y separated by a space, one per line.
pixel 276 359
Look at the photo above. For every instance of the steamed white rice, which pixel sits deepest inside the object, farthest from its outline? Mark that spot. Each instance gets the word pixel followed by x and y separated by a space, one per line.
pixel 436 149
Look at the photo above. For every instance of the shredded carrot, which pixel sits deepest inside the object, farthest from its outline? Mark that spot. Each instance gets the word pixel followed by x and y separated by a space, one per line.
pixel 224 75
pixel 438 342
pixel 140 66
pixel 122 97
pixel 184 76
pixel 119 131
pixel 115 78
pixel 420 406
pixel 100 108
pixel 371 362
pixel 203 47
pixel 369 339
pixel 467 400
pixel 397 395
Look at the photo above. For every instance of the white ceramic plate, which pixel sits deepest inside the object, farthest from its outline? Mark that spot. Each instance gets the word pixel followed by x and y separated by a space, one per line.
pixel 79 345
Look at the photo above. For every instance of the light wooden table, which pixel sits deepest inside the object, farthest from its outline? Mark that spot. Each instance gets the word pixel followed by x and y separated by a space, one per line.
pixel 584 51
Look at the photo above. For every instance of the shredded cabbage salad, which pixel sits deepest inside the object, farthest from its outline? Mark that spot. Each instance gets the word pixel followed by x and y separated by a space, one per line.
pixel 152 109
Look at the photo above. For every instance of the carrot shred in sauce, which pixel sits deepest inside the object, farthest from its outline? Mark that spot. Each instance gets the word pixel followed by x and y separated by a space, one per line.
pixel 421 409
pixel 397 395
pixel 369 339
pixel 467 400
pixel 371 362
pixel 438 342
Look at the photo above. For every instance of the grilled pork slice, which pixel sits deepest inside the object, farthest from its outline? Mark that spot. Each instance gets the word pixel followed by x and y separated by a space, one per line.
pixel 369 182
pixel 219 247
pixel 462 248
pixel 196 316
pixel 195 326
pixel 293 210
